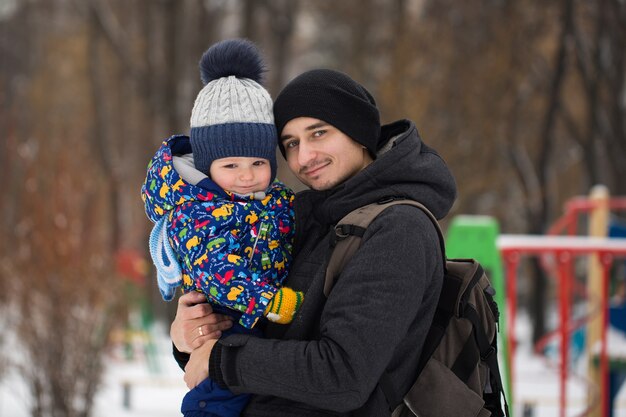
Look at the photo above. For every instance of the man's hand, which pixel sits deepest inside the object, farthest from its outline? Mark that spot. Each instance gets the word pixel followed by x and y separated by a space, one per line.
pixel 195 323
pixel 197 369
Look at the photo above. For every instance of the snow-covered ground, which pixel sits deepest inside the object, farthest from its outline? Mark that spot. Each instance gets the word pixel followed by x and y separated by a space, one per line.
pixel 537 384
pixel 156 390
pixel 130 388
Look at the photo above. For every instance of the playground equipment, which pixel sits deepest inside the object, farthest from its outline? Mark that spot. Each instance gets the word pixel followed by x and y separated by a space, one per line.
pixel 564 249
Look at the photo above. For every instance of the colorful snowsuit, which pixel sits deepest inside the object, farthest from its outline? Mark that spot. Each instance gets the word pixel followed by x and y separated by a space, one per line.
pixel 234 249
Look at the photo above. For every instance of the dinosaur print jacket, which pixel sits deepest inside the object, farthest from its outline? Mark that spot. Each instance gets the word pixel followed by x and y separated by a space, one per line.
pixel 234 249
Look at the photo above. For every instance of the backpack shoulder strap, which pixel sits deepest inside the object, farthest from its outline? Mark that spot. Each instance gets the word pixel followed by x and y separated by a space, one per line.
pixel 351 228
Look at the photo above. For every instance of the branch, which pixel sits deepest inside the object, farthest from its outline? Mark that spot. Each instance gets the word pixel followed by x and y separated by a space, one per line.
pixel 115 35
pixel 554 104
pixel 527 175
pixel 581 61
pixel 520 160
pixel 571 127
pixel 555 90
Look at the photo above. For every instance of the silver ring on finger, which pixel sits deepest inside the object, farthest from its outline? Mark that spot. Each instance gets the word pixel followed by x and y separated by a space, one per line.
pixel 200 331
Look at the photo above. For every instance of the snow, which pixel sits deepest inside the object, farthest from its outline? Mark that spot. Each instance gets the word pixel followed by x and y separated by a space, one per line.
pixel 537 386
pixel 156 387
pixel 147 393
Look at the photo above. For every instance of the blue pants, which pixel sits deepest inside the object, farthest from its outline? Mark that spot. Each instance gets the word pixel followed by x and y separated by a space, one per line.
pixel 210 400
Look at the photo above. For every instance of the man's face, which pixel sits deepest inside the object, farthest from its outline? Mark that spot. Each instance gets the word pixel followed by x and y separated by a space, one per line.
pixel 320 155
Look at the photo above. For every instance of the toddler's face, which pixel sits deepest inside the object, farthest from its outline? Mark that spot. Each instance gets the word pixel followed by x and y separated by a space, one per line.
pixel 241 174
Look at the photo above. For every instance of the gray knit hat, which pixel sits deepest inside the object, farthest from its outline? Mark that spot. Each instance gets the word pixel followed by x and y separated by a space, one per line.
pixel 232 115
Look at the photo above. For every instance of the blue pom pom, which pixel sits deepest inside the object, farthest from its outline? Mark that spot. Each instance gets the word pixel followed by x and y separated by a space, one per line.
pixel 238 57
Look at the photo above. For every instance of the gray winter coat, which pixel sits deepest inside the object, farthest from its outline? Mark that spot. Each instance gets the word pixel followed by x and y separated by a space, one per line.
pixel 329 361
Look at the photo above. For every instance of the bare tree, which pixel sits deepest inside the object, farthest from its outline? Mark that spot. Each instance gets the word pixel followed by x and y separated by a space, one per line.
pixel 281 27
pixel 598 35
pixel 58 265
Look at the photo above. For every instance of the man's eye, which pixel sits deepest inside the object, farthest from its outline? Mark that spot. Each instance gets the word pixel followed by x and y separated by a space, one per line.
pixel 291 144
pixel 259 163
pixel 318 133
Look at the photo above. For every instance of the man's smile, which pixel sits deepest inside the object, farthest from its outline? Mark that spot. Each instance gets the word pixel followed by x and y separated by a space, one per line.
pixel 311 171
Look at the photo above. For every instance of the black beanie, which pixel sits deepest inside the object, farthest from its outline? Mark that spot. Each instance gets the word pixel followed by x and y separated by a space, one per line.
pixel 333 97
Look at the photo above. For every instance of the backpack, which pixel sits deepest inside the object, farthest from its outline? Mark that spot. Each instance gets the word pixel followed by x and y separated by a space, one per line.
pixel 458 373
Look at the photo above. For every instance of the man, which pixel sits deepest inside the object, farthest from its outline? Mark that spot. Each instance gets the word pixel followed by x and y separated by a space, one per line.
pixel 329 361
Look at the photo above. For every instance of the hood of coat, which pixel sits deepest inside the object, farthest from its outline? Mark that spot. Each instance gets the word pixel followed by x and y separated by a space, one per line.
pixel 404 167
pixel 164 188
